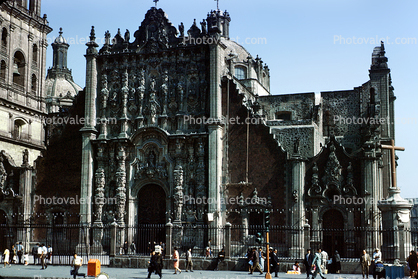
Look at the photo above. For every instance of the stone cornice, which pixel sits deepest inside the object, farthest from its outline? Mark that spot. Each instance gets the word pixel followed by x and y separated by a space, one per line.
pixel 26 16
pixel 23 109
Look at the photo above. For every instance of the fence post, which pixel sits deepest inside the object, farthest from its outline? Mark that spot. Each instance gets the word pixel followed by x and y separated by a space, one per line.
pixel 227 239
pixel 402 242
pixel 168 238
pixel 307 236
pixel 113 241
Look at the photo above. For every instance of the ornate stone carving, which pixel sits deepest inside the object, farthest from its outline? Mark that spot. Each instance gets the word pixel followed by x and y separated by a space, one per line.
pixel 3 174
pixel 121 185
pixel 99 195
pixel 349 188
pixel 332 169
pixel 151 168
pixel 315 189
pixel 178 193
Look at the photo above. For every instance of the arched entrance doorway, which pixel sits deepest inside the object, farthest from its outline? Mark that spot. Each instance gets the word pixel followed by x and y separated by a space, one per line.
pixel 151 217
pixel 333 232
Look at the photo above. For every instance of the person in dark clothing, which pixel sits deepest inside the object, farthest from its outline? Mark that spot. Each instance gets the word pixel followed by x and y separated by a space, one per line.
pixel 379 271
pixel 256 265
pixel 336 262
pixel 307 261
pixel 412 262
pixel 155 264
pixel 274 262
pixel 220 258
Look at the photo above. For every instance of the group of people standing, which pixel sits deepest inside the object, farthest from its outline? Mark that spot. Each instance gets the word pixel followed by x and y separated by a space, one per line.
pixel 17 255
pixel 256 260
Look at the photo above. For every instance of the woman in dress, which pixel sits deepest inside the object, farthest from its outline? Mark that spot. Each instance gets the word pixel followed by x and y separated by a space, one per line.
pixel 176 259
pixel 6 256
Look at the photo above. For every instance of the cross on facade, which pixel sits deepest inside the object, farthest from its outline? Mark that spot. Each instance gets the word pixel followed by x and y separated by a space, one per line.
pixel 156 1
pixel 392 149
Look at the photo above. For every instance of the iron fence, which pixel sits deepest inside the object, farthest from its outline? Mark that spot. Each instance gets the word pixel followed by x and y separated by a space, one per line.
pixel 65 240
pixel 291 242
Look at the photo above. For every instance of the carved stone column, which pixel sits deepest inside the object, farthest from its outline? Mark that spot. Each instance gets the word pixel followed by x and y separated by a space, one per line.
pixel 104 95
pixel 141 93
pixel 200 172
pixel 178 205
pixel 124 116
pixel 97 247
pixel 121 192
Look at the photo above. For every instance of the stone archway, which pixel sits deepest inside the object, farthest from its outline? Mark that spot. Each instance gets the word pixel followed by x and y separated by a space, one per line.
pixel 151 217
pixel 151 205
pixel 333 232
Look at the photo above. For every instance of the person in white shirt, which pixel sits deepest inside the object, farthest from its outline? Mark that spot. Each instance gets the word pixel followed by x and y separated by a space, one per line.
pixel 40 250
pixel 26 258
pixel 324 256
pixel 6 255
pixel 43 256
pixel 77 263
pixel 377 255
pixel 49 255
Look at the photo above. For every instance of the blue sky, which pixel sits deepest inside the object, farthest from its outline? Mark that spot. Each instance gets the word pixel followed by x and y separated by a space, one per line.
pixel 309 46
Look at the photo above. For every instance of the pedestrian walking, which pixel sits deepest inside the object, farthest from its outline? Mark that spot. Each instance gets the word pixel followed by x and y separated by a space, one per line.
pixel 249 256
pixel 307 261
pixel 176 259
pixel 256 260
pixel 412 263
pixel 6 256
pixel 155 264
pixel 261 257
pixel 76 264
pixel 365 264
pixel 189 262
pixel 44 253
pixel 40 251
pixel 317 263
pixel 19 248
pixel 133 247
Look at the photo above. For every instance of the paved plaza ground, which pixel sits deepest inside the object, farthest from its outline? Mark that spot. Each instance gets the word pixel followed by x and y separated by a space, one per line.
pixel 60 272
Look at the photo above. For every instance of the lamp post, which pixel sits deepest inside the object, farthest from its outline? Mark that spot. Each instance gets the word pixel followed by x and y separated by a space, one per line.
pixel 267 224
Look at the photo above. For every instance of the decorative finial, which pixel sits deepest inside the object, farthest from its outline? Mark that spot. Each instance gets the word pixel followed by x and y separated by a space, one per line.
pixel 156 1
pixel 60 32
pixel 92 34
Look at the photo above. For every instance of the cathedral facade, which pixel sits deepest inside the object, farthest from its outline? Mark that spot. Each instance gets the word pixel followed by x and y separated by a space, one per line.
pixel 183 122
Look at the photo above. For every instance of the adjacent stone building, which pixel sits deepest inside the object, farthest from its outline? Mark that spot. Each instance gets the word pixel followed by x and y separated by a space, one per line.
pixel 22 107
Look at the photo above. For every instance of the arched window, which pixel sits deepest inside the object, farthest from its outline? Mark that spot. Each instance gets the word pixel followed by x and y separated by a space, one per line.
pixel 35 53
pixel 240 72
pixel 33 86
pixel 19 129
pixel 3 70
pixel 19 66
pixel 4 37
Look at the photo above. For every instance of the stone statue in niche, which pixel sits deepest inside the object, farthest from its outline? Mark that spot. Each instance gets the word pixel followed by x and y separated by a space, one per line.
pixel 152 85
pixel 153 108
pixel 25 158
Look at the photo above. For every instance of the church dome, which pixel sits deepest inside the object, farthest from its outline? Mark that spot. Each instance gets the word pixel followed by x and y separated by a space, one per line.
pixel 60 87
pixel 60 39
